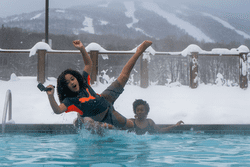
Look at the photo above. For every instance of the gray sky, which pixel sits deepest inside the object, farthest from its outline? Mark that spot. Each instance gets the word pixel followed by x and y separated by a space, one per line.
pixel 12 7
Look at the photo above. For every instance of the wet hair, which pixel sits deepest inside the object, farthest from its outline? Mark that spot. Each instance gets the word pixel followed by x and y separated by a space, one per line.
pixel 62 87
pixel 140 102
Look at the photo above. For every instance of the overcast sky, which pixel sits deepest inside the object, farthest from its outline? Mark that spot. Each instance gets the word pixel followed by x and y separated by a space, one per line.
pixel 12 7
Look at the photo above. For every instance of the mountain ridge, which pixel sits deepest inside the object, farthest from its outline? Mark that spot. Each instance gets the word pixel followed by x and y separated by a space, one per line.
pixel 131 19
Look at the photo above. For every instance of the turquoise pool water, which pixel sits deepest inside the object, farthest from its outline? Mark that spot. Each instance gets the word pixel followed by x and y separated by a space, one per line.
pixel 120 149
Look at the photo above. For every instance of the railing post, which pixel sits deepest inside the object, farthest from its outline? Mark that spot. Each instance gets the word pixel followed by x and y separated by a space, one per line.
pixel 144 72
pixel 94 73
pixel 41 66
pixel 194 70
pixel 243 71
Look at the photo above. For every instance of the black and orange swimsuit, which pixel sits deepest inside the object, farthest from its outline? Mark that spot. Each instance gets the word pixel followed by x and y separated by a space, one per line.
pixel 87 103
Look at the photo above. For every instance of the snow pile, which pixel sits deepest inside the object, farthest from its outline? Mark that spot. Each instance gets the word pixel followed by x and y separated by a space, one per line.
pixel 39 46
pixel 243 49
pixel 95 47
pixel 219 80
pixel 13 77
pixel 191 48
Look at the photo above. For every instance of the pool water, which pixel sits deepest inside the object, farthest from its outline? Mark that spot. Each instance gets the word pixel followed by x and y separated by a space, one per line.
pixel 120 149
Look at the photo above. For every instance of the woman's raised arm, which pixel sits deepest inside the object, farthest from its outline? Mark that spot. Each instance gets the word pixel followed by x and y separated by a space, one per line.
pixel 86 58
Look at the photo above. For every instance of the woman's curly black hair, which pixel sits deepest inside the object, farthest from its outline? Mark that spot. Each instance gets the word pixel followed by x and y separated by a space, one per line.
pixel 140 102
pixel 62 88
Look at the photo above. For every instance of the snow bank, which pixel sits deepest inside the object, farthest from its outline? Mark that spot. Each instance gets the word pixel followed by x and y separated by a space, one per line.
pixel 168 104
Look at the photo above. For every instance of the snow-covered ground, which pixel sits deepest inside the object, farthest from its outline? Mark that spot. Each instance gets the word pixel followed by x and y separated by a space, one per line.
pixel 168 104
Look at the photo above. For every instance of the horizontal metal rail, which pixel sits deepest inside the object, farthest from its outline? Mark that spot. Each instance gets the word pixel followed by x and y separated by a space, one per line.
pixel 112 52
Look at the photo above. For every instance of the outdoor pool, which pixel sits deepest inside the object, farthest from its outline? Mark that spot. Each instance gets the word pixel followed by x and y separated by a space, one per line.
pixel 119 148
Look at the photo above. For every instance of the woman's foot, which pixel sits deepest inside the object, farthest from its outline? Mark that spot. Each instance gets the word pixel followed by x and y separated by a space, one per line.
pixel 144 46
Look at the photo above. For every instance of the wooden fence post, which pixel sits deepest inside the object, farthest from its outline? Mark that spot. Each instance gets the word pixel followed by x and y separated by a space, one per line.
pixel 94 73
pixel 41 66
pixel 194 70
pixel 243 71
pixel 144 72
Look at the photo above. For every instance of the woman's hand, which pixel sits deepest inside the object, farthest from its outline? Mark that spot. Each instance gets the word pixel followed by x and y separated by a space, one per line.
pixel 179 123
pixel 50 92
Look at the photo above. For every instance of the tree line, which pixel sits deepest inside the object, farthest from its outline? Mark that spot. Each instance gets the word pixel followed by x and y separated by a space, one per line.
pixel 17 38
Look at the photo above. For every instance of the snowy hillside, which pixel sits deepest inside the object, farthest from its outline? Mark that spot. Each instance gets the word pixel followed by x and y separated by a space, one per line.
pixel 135 18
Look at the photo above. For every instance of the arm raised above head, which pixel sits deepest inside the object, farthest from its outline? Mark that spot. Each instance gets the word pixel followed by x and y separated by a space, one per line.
pixel 86 58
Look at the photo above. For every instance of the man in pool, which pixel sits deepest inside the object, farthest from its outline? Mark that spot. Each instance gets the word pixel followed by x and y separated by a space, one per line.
pixel 76 94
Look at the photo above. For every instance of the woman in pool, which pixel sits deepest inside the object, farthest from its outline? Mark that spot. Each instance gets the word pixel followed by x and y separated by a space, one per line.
pixel 142 124
pixel 75 93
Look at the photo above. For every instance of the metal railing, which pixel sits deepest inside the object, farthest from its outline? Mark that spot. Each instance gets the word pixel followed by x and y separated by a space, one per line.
pixel 190 52
pixel 8 103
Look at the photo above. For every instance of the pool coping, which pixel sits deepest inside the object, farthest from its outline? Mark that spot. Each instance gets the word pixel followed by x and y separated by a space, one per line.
pixel 186 128
pixel 40 128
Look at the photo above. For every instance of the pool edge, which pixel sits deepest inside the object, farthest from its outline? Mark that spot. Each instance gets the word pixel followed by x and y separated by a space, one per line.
pixel 186 128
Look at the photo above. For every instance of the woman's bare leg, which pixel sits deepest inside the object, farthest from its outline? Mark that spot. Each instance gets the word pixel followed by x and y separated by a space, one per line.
pixel 124 76
pixel 127 124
